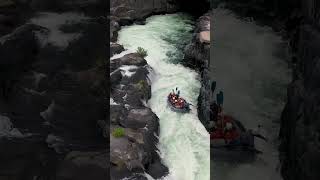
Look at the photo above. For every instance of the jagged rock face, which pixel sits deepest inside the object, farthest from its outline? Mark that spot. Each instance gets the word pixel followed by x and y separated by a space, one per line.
pixel 301 118
pixel 92 7
pixel 197 55
pixel 300 121
pixel 58 95
pixel 129 10
pixel 125 12
pixel 135 151
pixel 115 49
pixel 83 166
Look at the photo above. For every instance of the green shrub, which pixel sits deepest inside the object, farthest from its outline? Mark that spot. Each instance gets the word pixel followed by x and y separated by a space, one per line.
pixel 142 52
pixel 118 132
pixel 143 89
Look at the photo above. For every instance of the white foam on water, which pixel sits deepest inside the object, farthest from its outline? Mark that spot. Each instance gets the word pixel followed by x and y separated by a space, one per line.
pixel 128 70
pixel 116 56
pixel 183 141
pixel 112 102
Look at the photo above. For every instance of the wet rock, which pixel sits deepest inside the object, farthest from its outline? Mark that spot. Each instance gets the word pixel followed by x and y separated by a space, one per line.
pixel 27 157
pixel 22 40
pixel 92 7
pixel 157 170
pixel 117 113
pixel 114 28
pixel 84 165
pixel 197 56
pixel 124 152
pixel 130 10
pixel 139 118
pixel 133 59
pixel 115 77
pixel 115 49
pixel 300 118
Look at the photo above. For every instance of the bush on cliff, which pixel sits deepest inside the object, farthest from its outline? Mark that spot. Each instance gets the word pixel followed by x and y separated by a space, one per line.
pixel 142 86
pixel 142 52
pixel 118 132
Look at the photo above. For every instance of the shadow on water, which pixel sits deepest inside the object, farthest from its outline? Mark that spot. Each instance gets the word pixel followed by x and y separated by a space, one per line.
pixel 250 65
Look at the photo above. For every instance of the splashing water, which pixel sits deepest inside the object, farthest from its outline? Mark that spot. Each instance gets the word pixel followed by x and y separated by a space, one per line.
pixel 183 141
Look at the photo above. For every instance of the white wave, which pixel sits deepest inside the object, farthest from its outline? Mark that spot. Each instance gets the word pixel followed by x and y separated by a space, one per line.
pixel 128 70
pixel 116 56
pixel 112 102
pixel 183 141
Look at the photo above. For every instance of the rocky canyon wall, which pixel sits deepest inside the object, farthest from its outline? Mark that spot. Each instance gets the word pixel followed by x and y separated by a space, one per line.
pixel 299 21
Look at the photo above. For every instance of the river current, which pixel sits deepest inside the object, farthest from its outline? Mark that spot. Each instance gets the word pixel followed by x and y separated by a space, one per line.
pixel 183 140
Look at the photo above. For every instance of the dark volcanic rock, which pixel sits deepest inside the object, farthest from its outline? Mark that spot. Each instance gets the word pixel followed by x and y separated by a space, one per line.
pixel 197 56
pixel 58 96
pixel 115 49
pixel 22 40
pixel 130 92
pixel 157 170
pixel 139 118
pixel 300 120
pixel 92 7
pixel 83 166
pixel 132 59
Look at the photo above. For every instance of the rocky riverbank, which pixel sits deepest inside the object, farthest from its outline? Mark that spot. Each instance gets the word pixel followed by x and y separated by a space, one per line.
pixel 135 153
pixel 131 89
pixel 53 89
pixel 300 119
pixel 197 56
pixel 299 134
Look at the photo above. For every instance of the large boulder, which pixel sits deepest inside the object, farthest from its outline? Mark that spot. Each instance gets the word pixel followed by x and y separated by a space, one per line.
pixel 22 40
pixel 115 49
pixel 139 118
pixel 84 165
pixel 92 7
pixel 125 154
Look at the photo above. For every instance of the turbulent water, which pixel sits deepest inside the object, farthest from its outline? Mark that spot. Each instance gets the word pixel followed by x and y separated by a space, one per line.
pixel 249 65
pixel 183 141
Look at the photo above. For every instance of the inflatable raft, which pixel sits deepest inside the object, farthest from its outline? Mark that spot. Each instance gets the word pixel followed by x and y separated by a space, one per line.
pixel 235 144
pixel 179 105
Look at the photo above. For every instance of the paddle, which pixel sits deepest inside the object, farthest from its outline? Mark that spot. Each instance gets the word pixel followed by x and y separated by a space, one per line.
pixel 213 86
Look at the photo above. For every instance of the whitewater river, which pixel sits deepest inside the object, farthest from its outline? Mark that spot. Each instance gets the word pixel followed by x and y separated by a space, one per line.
pixel 249 63
pixel 183 141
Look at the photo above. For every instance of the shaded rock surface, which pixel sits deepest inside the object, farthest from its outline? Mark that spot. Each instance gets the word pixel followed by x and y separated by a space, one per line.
pixel 197 56
pixel 126 12
pixel 134 152
pixel 53 89
pixel 300 119
pixel 299 134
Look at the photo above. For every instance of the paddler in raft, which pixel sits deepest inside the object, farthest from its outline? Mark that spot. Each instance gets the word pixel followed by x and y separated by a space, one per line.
pixel 175 99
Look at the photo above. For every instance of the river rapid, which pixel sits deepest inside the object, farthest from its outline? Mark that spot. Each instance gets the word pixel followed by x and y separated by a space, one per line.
pixel 183 141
